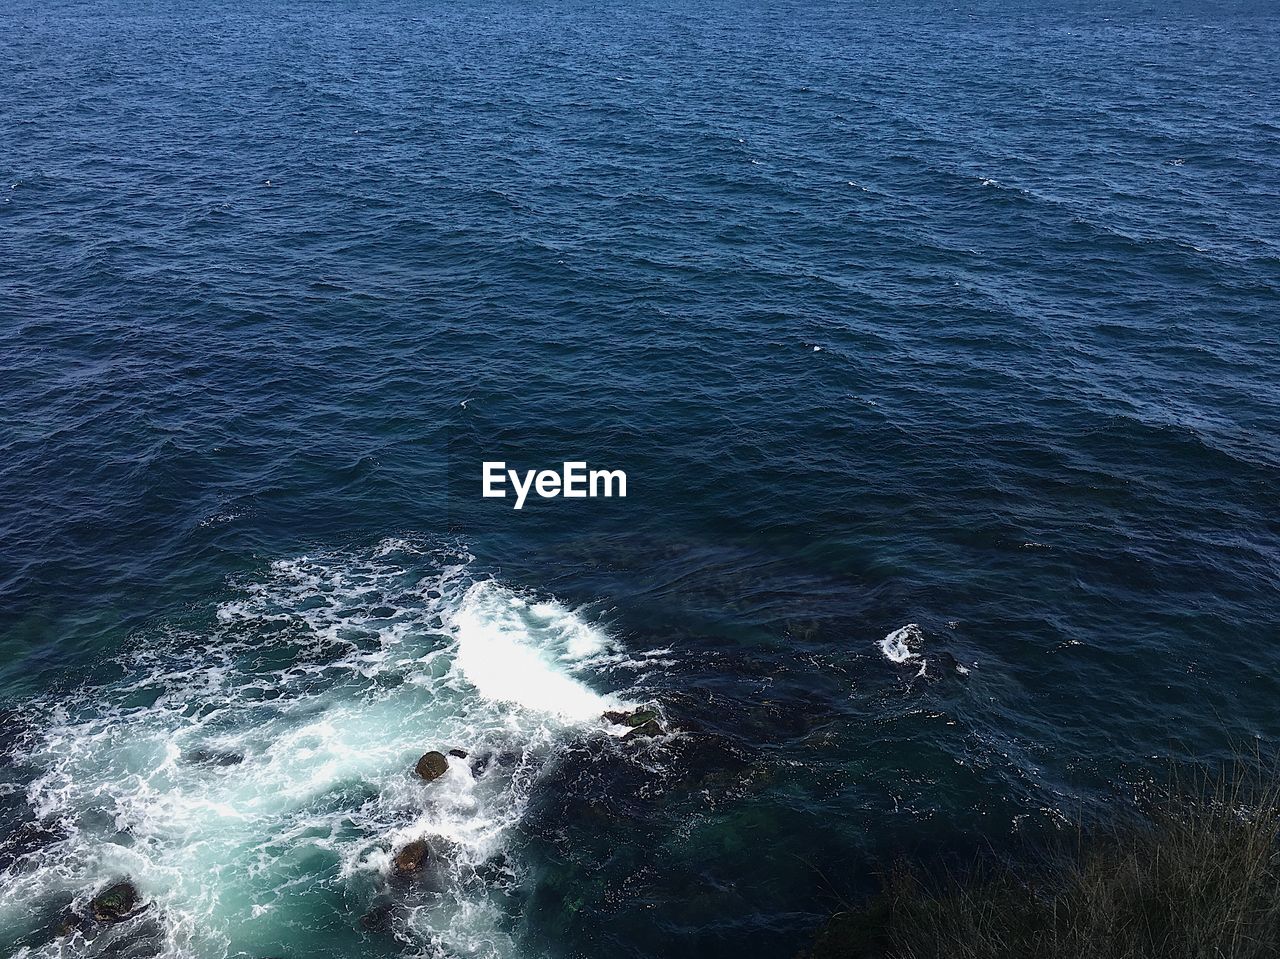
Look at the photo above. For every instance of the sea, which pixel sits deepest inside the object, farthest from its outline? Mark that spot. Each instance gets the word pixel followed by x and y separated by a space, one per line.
pixel 939 344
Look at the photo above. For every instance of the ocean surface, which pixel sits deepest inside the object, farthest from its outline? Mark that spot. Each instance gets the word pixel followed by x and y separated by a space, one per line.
pixel 939 343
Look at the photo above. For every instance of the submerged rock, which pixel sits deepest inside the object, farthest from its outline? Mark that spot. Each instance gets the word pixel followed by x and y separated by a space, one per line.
pixel 631 717
pixel 71 923
pixel 378 919
pixel 115 904
pixel 27 840
pixel 642 723
pixel 651 728
pixel 214 757
pixel 903 645
pixel 494 869
pixel 432 765
pixel 411 858
pixel 504 759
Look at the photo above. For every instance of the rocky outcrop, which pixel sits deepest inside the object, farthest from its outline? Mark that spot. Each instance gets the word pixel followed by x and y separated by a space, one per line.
pixel 432 765
pixel 116 903
pixel 411 858
pixel 631 717
pixel 645 730
pixel 72 922
pixel 642 723
pixel 501 759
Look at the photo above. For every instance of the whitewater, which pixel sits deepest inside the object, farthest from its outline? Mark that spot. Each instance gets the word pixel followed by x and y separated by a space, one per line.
pixel 260 768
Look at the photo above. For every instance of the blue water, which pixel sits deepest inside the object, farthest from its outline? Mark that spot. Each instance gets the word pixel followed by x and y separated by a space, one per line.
pixel 961 317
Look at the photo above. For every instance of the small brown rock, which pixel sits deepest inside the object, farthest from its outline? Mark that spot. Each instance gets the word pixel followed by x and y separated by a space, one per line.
pixel 460 753
pixel 432 765
pixel 412 857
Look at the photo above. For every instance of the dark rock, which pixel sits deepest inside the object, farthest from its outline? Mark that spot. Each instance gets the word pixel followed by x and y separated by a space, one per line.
pixel 115 904
pixel 459 753
pixel 412 857
pixel 432 765
pixel 948 662
pixel 650 728
pixel 641 722
pixel 214 757
pixel 633 718
pixel 71 922
pixel 488 760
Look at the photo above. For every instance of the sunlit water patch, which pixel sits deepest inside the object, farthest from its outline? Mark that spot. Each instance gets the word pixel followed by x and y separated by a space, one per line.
pixel 254 777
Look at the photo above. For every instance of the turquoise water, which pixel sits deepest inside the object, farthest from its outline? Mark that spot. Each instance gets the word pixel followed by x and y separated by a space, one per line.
pixel 939 348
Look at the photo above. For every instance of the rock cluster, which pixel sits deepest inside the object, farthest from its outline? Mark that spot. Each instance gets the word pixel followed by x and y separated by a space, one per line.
pixel 642 722
pixel 410 858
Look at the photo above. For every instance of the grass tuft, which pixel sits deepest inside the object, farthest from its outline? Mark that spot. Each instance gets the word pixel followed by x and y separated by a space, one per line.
pixel 1197 876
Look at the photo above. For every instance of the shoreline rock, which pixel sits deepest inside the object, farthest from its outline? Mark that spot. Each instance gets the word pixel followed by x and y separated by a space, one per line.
pixel 432 765
pixel 410 858
pixel 645 731
pixel 631 717
pixel 642 723
pixel 115 903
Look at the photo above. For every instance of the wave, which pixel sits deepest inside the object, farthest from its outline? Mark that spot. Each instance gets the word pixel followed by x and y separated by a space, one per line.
pixel 904 644
pixel 259 768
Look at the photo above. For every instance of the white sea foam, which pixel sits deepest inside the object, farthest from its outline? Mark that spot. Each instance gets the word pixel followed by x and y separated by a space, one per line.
pixel 904 644
pixel 246 767
pixel 516 653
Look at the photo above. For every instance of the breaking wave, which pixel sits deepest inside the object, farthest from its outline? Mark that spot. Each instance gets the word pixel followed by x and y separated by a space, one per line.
pixel 904 644
pixel 259 767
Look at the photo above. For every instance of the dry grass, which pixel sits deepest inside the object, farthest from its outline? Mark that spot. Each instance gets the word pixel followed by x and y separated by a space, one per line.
pixel 1197 878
